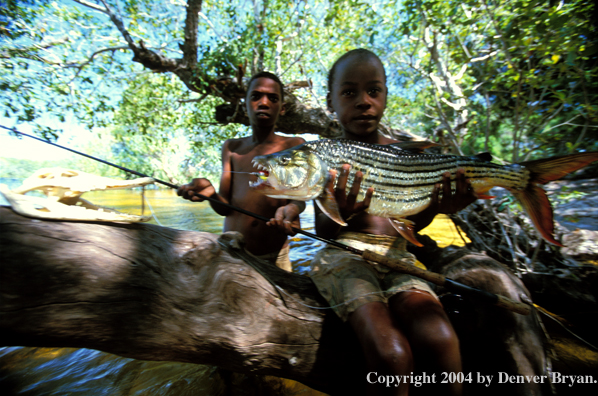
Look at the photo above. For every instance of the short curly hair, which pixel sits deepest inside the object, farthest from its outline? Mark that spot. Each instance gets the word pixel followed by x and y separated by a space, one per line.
pixel 358 52
pixel 271 76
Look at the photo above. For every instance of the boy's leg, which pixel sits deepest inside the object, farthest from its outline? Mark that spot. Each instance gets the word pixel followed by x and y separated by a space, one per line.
pixel 386 349
pixel 432 338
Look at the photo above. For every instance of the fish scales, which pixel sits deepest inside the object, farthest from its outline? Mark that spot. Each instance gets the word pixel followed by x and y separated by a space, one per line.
pixel 403 181
pixel 296 173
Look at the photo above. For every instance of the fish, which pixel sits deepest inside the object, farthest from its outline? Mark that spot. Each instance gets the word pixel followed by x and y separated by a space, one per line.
pixel 404 176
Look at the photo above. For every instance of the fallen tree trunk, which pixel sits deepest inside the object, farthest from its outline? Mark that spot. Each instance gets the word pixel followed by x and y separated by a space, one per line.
pixel 155 293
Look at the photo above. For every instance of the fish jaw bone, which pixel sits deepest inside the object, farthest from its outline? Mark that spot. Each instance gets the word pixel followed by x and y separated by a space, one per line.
pixel 295 173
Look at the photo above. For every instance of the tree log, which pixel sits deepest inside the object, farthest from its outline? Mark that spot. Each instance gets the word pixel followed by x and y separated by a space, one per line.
pixel 155 293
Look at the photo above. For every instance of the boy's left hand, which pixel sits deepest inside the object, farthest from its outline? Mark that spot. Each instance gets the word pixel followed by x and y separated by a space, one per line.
pixel 452 203
pixel 286 218
pixel 449 203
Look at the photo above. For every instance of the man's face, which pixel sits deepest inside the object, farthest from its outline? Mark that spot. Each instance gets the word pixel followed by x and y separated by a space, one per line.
pixel 358 95
pixel 263 102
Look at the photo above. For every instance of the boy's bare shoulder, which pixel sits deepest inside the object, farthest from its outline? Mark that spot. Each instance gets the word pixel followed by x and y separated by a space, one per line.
pixel 235 143
pixel 293 141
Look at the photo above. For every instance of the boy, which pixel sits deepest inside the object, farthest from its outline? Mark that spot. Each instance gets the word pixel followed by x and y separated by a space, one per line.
pixel 398 319
pixel 265 103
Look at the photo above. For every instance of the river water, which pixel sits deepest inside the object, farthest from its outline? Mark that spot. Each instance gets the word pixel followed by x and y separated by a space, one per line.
pixel 68 371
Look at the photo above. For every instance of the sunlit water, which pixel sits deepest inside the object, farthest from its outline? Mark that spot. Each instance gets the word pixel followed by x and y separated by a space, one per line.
pixel 61 371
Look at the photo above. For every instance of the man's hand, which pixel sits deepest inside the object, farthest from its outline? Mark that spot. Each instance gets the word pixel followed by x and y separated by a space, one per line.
pixel 287 217
pixel 197 187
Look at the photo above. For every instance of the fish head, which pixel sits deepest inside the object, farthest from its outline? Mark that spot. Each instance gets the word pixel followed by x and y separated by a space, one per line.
pixel 296 173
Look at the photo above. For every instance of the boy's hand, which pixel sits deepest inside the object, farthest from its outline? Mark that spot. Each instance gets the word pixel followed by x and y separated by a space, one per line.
pixel 347 203
pixel 287 217
pixel 449 203
pixel 197 186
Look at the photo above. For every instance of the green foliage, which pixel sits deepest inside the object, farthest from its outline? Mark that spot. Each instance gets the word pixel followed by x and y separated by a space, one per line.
pixel 17 17
pixel 514 78
pixel 18 168
pixel 527 71
pixel 155 133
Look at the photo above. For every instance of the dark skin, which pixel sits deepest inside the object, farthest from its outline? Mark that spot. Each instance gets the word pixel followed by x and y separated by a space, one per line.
pixel 412 332
pixel 264 106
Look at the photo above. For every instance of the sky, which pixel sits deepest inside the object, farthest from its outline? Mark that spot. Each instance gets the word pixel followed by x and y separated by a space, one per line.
pixel 27 148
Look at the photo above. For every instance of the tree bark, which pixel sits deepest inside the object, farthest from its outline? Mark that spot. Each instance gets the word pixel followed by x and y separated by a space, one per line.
pixel 155 293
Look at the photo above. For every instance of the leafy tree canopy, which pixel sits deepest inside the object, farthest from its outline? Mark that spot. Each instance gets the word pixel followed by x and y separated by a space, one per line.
pixel 166 79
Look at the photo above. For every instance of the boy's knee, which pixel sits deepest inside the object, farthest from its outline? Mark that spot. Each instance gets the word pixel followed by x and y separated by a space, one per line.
pixel 442 339
pixel 394 354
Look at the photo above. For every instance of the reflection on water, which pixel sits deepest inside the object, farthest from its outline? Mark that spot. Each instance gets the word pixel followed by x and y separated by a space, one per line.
pixel 61 371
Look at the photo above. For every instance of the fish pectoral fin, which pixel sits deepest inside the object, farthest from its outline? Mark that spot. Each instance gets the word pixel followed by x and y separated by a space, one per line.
pixel 405 228
pixel 481 193
pixel 328 205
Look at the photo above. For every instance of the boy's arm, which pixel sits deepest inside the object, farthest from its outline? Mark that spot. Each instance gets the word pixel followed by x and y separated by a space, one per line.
pixel 449 203
pixel 287 217
pixel 204 187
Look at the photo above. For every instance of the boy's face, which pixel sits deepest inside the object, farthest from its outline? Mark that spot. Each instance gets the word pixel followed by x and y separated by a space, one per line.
pixel 358 95
pixel 263 102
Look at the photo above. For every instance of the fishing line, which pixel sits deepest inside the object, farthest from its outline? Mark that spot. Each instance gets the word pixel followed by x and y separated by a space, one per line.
pixel 173 186
pixel 542 311
pixel 439 279
pixel 152 210
pixel 260 174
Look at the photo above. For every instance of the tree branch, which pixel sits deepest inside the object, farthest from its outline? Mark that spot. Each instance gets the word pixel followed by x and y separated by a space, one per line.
pixel 190 44
pixel 155 293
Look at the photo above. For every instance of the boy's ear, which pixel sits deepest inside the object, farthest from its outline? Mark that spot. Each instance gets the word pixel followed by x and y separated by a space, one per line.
pixel 282 109
pixel 329 103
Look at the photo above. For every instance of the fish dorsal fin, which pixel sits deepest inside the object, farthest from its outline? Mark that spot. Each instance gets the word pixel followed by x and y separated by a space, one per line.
pixel 483 156
pixel 328 205
pixel 416 146
pixel 405 228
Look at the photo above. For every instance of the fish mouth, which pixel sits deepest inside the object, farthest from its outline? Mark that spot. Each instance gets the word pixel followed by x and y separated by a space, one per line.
pixel 263 174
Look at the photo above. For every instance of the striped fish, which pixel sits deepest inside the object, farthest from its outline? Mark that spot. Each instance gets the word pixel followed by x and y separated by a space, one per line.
pixel 403 178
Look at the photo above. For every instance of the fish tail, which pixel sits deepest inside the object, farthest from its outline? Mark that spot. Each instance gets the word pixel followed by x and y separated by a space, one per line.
pixel 550 169
pixel 533 198
pixel 536 205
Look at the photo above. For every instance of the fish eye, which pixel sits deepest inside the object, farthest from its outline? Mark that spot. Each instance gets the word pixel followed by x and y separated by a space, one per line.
pixel 284 160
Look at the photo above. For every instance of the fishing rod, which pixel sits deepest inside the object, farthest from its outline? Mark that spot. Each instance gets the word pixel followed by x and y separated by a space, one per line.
pixel 433 277
pixel 173 186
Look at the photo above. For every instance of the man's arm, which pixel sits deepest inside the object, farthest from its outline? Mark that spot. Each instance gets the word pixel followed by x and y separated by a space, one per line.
pixel 287 217
pixel 204 187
